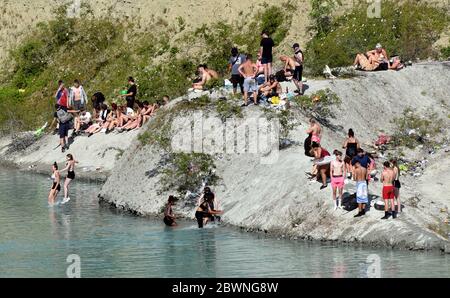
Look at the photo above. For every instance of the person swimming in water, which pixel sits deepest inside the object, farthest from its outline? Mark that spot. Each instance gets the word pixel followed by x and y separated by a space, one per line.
pixel 56 186
pixel 204 211
pixel 70 168
pixel 169 217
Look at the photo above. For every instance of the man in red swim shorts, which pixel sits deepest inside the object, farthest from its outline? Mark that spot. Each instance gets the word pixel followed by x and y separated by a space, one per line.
pixel 388 178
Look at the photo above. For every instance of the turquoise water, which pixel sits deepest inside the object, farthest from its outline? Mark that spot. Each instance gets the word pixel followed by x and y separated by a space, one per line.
pixel 35 241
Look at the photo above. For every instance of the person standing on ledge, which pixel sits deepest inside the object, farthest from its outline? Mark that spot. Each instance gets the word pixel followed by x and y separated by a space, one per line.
pixel 388 178
pixel 266 49
pixel 169 217
pixel 130 97
pixel 362 194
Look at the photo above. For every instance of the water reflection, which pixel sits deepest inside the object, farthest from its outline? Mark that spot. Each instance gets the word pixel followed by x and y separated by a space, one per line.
pixel 35 241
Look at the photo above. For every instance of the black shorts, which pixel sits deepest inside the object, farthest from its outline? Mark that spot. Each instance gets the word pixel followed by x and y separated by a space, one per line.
pixel 57 187
pixel 64 129
pixel 298 73
pixel 397 184
pixel 168 221
pixel 85 126
pixel 130 102
pixel 71 175
pixel 199 215
pixel 237 79
pixel 266 60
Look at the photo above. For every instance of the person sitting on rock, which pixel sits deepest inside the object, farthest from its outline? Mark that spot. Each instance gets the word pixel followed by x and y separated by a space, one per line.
pixel 148 111
pixel 270 89
pixel 99 122
pixel 82 122
pixel 206 76
pixel 135 121
pixel 204 211
pixel 373 60
pixel 322 170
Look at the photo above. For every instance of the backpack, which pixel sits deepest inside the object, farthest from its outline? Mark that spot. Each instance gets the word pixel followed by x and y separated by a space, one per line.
pixel 63 116
pixel 349 202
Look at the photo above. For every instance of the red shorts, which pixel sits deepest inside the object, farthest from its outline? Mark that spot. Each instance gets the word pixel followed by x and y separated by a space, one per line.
pixel 388 192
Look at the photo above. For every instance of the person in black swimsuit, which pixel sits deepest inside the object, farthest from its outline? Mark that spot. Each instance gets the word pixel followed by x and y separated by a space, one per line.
pixel 351 146
pixel 70 168
pixel 56 186
pixel 204 211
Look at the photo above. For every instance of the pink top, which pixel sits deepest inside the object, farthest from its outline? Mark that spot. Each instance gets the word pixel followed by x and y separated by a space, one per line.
pixel 77 94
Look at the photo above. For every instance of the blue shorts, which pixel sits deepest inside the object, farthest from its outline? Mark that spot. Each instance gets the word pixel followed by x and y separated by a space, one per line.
pixel 64 129
pixel 362 195
pixel 250 85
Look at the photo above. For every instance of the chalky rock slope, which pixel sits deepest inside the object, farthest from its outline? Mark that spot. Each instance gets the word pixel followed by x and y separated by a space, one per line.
pixel 277 198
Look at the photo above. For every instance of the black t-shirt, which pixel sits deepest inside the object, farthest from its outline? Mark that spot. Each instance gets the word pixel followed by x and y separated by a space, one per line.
pixel 267 44
pixel 132 89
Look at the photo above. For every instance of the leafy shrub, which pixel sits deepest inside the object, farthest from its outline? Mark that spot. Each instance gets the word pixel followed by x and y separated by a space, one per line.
pixel 319 103
pixel 186 172
pixel 446 52
pixel 227 109
pixel 413 130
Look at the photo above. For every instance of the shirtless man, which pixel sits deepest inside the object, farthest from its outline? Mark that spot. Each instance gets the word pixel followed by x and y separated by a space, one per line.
pixel 206 75
pixel 315 130
pixel 291 68
pixel 387 178
pixel 362 195
pixel 338 172
pixel 249 70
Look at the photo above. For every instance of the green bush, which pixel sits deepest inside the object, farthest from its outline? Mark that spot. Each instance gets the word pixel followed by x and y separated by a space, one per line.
pixel 446 52
pixel 186 172
pixel 319 103
pixel 413 130
pixel 408 29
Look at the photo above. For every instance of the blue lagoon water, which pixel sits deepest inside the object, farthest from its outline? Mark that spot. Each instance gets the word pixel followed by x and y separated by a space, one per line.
pixel 36 240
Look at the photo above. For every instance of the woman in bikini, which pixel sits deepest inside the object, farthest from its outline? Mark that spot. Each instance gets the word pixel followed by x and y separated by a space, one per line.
pixel 70 168
pixel 373 60
pixel 351 146
pixel 56 186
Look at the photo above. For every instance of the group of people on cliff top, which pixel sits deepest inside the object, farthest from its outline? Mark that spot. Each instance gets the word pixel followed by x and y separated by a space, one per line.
pixel 72 112
pixel 256 78
pixel 354 164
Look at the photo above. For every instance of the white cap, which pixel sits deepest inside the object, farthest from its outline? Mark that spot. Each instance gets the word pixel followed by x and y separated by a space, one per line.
pixel 378 46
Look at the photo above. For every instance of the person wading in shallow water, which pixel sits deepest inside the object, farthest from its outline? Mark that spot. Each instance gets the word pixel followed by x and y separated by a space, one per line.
pixel 56 186
pixel 70 168
pixel 169 217
pixel 204 211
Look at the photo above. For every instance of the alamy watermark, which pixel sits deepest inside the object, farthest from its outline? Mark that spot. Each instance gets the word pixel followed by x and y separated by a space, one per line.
pixel 209 135
pixel 373 263
pixel 374 9
pixel 74 269
pixel 74 9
